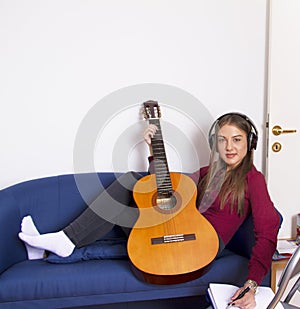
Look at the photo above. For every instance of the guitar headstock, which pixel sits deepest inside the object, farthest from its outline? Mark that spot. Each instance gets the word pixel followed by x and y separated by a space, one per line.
pixel 151 110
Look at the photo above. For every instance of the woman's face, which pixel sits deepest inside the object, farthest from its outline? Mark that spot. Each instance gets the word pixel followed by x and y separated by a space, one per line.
pixel 232 145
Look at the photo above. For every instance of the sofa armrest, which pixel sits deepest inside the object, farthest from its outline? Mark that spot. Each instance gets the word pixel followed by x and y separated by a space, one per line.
pixel 11 248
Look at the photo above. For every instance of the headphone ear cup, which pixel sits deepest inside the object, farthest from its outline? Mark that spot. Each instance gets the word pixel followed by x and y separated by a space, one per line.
pixel 252 141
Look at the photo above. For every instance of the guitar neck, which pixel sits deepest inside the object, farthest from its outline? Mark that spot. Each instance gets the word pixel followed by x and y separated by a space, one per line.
pixel 163 180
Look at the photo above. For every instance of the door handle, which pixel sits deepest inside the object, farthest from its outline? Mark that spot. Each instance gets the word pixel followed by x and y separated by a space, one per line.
pixel 277 130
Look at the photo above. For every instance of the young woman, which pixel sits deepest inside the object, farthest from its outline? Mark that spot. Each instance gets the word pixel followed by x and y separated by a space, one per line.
pixel 229 189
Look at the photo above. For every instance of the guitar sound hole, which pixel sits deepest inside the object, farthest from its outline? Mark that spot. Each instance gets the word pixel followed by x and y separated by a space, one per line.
pixel 166 203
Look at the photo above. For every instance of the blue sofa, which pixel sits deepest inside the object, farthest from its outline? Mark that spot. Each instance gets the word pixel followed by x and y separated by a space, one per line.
pixel 104 280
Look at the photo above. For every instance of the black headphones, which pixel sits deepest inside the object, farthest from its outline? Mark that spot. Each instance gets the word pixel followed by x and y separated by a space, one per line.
pixel 251 138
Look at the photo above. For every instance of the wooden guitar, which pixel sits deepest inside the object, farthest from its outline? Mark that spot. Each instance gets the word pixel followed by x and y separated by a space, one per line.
pixel 171 242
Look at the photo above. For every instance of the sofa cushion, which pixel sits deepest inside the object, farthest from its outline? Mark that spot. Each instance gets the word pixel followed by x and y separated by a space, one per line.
pixel 112 279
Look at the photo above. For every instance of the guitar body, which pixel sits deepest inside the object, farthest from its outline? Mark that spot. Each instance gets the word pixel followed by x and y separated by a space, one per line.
pixel 171 241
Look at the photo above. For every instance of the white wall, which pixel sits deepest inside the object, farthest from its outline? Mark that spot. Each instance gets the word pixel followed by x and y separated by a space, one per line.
pixel 60 58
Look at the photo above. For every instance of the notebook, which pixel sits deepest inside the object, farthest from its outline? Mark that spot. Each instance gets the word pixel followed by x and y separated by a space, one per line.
pixel 220 295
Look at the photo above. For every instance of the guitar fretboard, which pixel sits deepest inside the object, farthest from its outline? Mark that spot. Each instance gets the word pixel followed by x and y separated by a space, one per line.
pixel 163 180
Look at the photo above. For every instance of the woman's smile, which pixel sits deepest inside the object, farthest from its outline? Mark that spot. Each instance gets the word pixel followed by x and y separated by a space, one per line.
pixel 230 155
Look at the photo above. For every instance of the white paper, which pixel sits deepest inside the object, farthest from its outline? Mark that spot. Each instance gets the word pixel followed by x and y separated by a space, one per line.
pixel 220 295
pixel 286 246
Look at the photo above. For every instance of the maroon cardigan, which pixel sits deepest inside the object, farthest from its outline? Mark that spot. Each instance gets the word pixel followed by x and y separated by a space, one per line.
pixel 265 217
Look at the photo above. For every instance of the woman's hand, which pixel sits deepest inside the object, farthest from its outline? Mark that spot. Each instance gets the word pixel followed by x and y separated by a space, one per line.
pixel 247 301
pixel 149 133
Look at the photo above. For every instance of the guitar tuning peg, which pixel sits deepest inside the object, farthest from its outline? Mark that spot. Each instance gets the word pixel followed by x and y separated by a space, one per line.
pixel 143 113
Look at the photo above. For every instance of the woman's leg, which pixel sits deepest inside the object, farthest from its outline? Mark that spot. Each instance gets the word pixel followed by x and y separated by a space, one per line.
pixel 110 208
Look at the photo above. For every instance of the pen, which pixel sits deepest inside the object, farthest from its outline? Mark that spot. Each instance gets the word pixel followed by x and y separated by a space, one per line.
pixel 242 294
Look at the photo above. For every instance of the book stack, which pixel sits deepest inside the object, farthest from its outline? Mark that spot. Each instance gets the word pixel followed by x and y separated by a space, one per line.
pixel 285 249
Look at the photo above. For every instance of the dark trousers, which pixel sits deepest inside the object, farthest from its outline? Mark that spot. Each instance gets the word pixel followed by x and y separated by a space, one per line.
pixel 115 205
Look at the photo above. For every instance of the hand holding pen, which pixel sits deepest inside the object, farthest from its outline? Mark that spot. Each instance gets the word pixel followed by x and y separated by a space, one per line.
pixel 246 301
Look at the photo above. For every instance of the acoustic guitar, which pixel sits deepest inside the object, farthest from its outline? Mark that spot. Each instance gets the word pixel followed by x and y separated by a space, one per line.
pixel 171 242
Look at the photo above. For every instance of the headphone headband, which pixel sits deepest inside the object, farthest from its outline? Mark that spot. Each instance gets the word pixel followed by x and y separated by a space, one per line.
pixel 252 135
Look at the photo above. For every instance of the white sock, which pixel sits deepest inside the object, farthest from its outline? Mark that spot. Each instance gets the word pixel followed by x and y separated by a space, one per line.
pixel 57 243
pixel 28 227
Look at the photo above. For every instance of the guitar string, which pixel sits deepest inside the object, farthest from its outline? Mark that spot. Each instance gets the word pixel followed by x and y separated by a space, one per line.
pixel 164 183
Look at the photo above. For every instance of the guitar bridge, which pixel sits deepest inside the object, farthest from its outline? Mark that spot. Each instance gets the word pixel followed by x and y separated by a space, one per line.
pixel 172 238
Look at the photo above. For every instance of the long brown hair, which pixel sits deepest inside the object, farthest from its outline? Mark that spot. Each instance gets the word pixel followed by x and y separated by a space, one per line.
pixel 233 183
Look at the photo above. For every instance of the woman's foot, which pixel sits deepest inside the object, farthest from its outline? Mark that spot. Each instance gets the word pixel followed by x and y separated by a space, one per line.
pixel 28 227
pixel 57 243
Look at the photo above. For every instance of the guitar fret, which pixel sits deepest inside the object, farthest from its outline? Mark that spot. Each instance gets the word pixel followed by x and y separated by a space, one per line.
pixel 159 155
pixel 159 151
pixel 165 184
pixel 162 169
pixel 163 177
pixel 162 186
